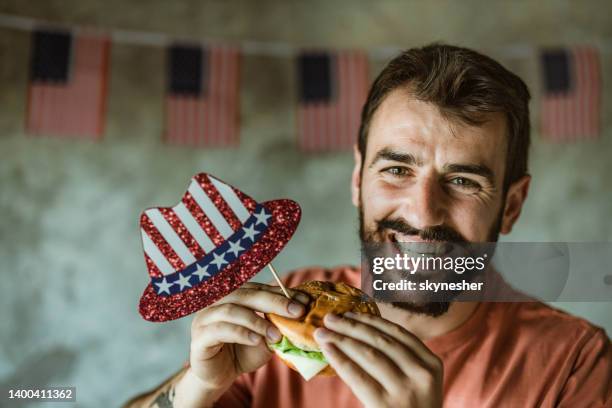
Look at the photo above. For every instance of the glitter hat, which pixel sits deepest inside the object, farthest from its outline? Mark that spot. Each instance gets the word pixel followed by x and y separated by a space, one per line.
pixel 209 244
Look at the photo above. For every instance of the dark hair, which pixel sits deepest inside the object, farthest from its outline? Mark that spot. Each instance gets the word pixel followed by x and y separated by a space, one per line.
pixel 465 85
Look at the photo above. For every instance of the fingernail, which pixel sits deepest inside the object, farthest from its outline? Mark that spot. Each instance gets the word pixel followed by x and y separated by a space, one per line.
pixel 321 334
pixel 350 315
pixel 254 337
pixel 295 308
pixel 273 334
pixel 303 299
pixel 332 318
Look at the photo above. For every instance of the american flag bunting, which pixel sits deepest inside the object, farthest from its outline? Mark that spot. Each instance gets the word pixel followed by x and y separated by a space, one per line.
pixel 202 104
pixel 332 89
pixel 570 104
pixel 68 84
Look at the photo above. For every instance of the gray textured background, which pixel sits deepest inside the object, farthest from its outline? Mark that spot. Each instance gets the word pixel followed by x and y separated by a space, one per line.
pixel 72 268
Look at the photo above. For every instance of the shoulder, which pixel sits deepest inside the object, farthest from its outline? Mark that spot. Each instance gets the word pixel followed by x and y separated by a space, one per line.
pixel 546 317
pixel 579 352
pixel 543 325
pixel 346 273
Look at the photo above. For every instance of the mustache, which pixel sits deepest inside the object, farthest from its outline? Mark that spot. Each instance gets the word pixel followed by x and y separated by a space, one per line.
pixel 436 233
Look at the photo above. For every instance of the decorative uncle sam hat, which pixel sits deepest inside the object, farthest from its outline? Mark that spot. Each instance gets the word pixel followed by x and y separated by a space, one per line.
pixel 214 240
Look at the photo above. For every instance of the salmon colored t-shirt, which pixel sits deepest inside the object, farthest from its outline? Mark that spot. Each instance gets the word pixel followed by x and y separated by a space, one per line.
pixel 524 354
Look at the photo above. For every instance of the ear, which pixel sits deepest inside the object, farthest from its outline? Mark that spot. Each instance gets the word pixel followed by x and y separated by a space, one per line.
pixel 356 177
pixel 517 194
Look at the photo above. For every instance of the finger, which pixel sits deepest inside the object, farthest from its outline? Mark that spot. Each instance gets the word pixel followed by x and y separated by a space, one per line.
pixel 240 316
pixel 372 361
pixel 207 339
pixel 400 334
pixel 402 356
pixel 264 301
pixel 295 294
pixel 365 388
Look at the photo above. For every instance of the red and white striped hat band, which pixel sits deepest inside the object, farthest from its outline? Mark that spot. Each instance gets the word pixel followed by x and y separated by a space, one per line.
pixel 210 243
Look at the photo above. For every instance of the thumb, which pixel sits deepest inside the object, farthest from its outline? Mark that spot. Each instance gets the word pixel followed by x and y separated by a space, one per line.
pixel 250 358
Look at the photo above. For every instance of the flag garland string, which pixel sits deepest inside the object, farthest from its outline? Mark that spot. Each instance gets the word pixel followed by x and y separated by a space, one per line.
pixel 253 47
pixel 201 101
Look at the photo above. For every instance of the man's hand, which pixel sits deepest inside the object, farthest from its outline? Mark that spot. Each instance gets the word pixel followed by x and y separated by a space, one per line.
pixel 228 338
pixel 383 364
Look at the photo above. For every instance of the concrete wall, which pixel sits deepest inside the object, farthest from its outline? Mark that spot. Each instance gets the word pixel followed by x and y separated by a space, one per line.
pixel 72 269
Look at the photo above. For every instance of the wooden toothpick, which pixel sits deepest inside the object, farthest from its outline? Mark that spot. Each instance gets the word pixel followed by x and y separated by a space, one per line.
pixel 278 281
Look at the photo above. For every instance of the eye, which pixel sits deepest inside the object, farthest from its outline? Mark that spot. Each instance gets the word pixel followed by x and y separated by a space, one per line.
pixel 397 171
pixel 465 183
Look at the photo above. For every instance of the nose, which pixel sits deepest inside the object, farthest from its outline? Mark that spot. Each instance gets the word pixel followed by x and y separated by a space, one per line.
pixel 425 203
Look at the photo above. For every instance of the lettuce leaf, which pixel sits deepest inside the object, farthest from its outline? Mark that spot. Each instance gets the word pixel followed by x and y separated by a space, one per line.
pixel 285 346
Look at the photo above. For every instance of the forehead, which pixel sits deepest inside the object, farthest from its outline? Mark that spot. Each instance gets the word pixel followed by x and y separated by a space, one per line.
pixel 406 124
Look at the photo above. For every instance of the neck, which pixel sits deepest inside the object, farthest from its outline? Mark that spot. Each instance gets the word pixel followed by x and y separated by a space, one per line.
pixel 427 327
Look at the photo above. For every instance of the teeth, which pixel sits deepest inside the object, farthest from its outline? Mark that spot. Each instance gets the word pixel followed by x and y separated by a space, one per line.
pixel 435 248
pixel 425 248
pixel 420 247
pixel 400 238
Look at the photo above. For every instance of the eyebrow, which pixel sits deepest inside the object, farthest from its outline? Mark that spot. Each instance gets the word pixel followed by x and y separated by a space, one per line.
pixel 409 159
pixel 388 154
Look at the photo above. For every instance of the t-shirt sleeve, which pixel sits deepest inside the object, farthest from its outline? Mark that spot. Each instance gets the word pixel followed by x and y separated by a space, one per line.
pixel 238 395
pixel 590 382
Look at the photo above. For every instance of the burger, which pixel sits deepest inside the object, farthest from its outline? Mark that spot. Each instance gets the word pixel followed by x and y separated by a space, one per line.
pixel 297 348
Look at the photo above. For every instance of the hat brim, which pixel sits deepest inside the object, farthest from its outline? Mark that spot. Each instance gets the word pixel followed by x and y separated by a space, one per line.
pixel 285 218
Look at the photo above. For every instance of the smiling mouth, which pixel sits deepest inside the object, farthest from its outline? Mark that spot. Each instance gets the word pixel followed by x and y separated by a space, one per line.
pixel 428 248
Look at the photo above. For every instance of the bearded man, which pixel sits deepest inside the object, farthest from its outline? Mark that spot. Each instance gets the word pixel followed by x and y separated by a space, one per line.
pixel 441 158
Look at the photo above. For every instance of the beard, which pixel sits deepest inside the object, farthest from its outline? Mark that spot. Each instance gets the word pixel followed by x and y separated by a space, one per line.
pixel 440 233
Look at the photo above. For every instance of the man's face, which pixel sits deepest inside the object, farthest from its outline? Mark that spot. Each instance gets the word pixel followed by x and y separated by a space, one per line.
pixel 427 178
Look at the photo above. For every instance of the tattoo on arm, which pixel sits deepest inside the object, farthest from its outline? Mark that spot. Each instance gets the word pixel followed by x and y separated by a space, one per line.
pixel 165 399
